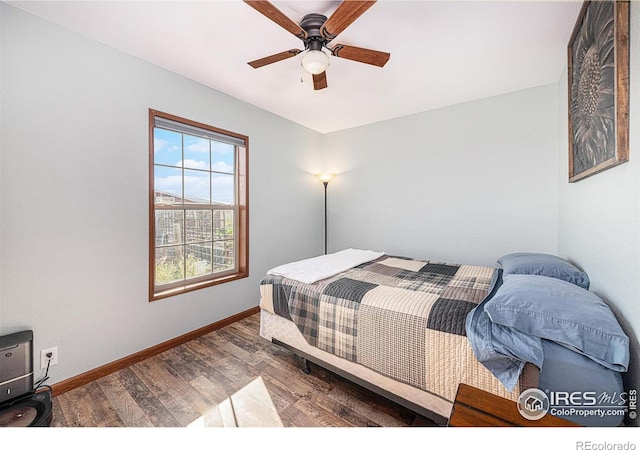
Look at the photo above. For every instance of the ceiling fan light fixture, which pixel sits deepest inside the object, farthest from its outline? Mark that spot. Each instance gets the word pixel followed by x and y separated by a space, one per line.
pixel 315 61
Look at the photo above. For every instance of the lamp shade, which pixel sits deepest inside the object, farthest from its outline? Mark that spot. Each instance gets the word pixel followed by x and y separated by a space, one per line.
pixel 325 177
pixel 315 61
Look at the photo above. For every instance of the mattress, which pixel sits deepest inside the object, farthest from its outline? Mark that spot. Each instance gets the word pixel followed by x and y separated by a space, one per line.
pixel 567 371
pixel 281 330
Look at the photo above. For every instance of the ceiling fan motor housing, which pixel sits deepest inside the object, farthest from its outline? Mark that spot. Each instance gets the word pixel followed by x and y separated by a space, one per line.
pixel 311 24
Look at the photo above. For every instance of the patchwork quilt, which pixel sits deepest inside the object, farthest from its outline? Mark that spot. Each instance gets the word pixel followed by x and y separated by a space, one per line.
pixel 402 317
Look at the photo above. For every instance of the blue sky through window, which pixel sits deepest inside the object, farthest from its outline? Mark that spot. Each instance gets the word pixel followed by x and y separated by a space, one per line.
pixel 205 167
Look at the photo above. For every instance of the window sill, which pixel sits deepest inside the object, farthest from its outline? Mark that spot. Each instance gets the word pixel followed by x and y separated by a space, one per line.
pixel 158 295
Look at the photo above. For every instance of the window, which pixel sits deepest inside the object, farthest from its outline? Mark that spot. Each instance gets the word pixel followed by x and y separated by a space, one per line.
pixel 198 205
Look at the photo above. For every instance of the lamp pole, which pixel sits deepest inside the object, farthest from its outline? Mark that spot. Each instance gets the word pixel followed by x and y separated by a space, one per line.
pixel 325 178
pixel 326 183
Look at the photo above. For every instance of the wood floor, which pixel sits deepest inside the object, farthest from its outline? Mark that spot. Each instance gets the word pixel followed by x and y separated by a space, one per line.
pixel 176 387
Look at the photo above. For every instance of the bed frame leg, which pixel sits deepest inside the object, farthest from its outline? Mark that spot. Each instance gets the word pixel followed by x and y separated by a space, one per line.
pixel 305 365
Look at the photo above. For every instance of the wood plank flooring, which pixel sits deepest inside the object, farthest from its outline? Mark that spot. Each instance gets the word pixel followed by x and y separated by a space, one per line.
pixel 176 387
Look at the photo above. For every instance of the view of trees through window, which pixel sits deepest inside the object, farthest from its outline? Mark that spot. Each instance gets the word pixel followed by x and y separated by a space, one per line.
pixel 192 243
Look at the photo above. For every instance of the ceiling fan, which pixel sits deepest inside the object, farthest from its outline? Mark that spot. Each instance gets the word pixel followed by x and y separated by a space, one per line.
pixel 317 31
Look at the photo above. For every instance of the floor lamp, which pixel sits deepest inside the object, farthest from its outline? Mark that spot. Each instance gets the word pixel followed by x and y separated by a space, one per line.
pixel 325 178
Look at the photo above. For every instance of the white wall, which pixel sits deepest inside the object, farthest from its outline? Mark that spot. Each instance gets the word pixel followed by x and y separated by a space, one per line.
pixel 74 190
pixel 466 183
pixel 599 216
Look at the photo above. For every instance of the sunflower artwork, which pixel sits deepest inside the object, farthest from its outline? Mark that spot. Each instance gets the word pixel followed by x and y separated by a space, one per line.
pixel 599 88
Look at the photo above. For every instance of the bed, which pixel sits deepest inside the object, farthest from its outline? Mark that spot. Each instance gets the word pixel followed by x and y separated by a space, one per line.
pixel 412 330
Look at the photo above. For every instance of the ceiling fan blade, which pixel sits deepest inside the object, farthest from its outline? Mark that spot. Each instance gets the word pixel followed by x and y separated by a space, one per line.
pixel 363 55
pixel 320 81
pixel 344 15
pixel 274 58
pixel 270 11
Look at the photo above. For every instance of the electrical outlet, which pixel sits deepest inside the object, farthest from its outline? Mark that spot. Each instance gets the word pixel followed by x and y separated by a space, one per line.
pixel 44 360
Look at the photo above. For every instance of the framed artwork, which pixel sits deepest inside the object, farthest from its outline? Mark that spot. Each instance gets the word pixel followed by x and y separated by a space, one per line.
pixel 598 69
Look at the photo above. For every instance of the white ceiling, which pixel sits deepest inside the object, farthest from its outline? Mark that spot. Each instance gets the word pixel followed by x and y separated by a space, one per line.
pixel 442 52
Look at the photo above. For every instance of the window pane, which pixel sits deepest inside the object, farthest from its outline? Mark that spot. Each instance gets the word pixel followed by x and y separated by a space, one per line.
pixel 196 152
pixel 199 227
pixel 223 157
pixel 198 259
pixel 222 188
pixel 223 256
pixel 196 187
pixel 223 225
pixel 168 185
pixel 169 264
pixel 169 227
pixel 167 147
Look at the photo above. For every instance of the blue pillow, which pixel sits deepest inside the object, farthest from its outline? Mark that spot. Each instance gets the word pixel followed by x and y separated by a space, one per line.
pixel 527 263
pixel 562 312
